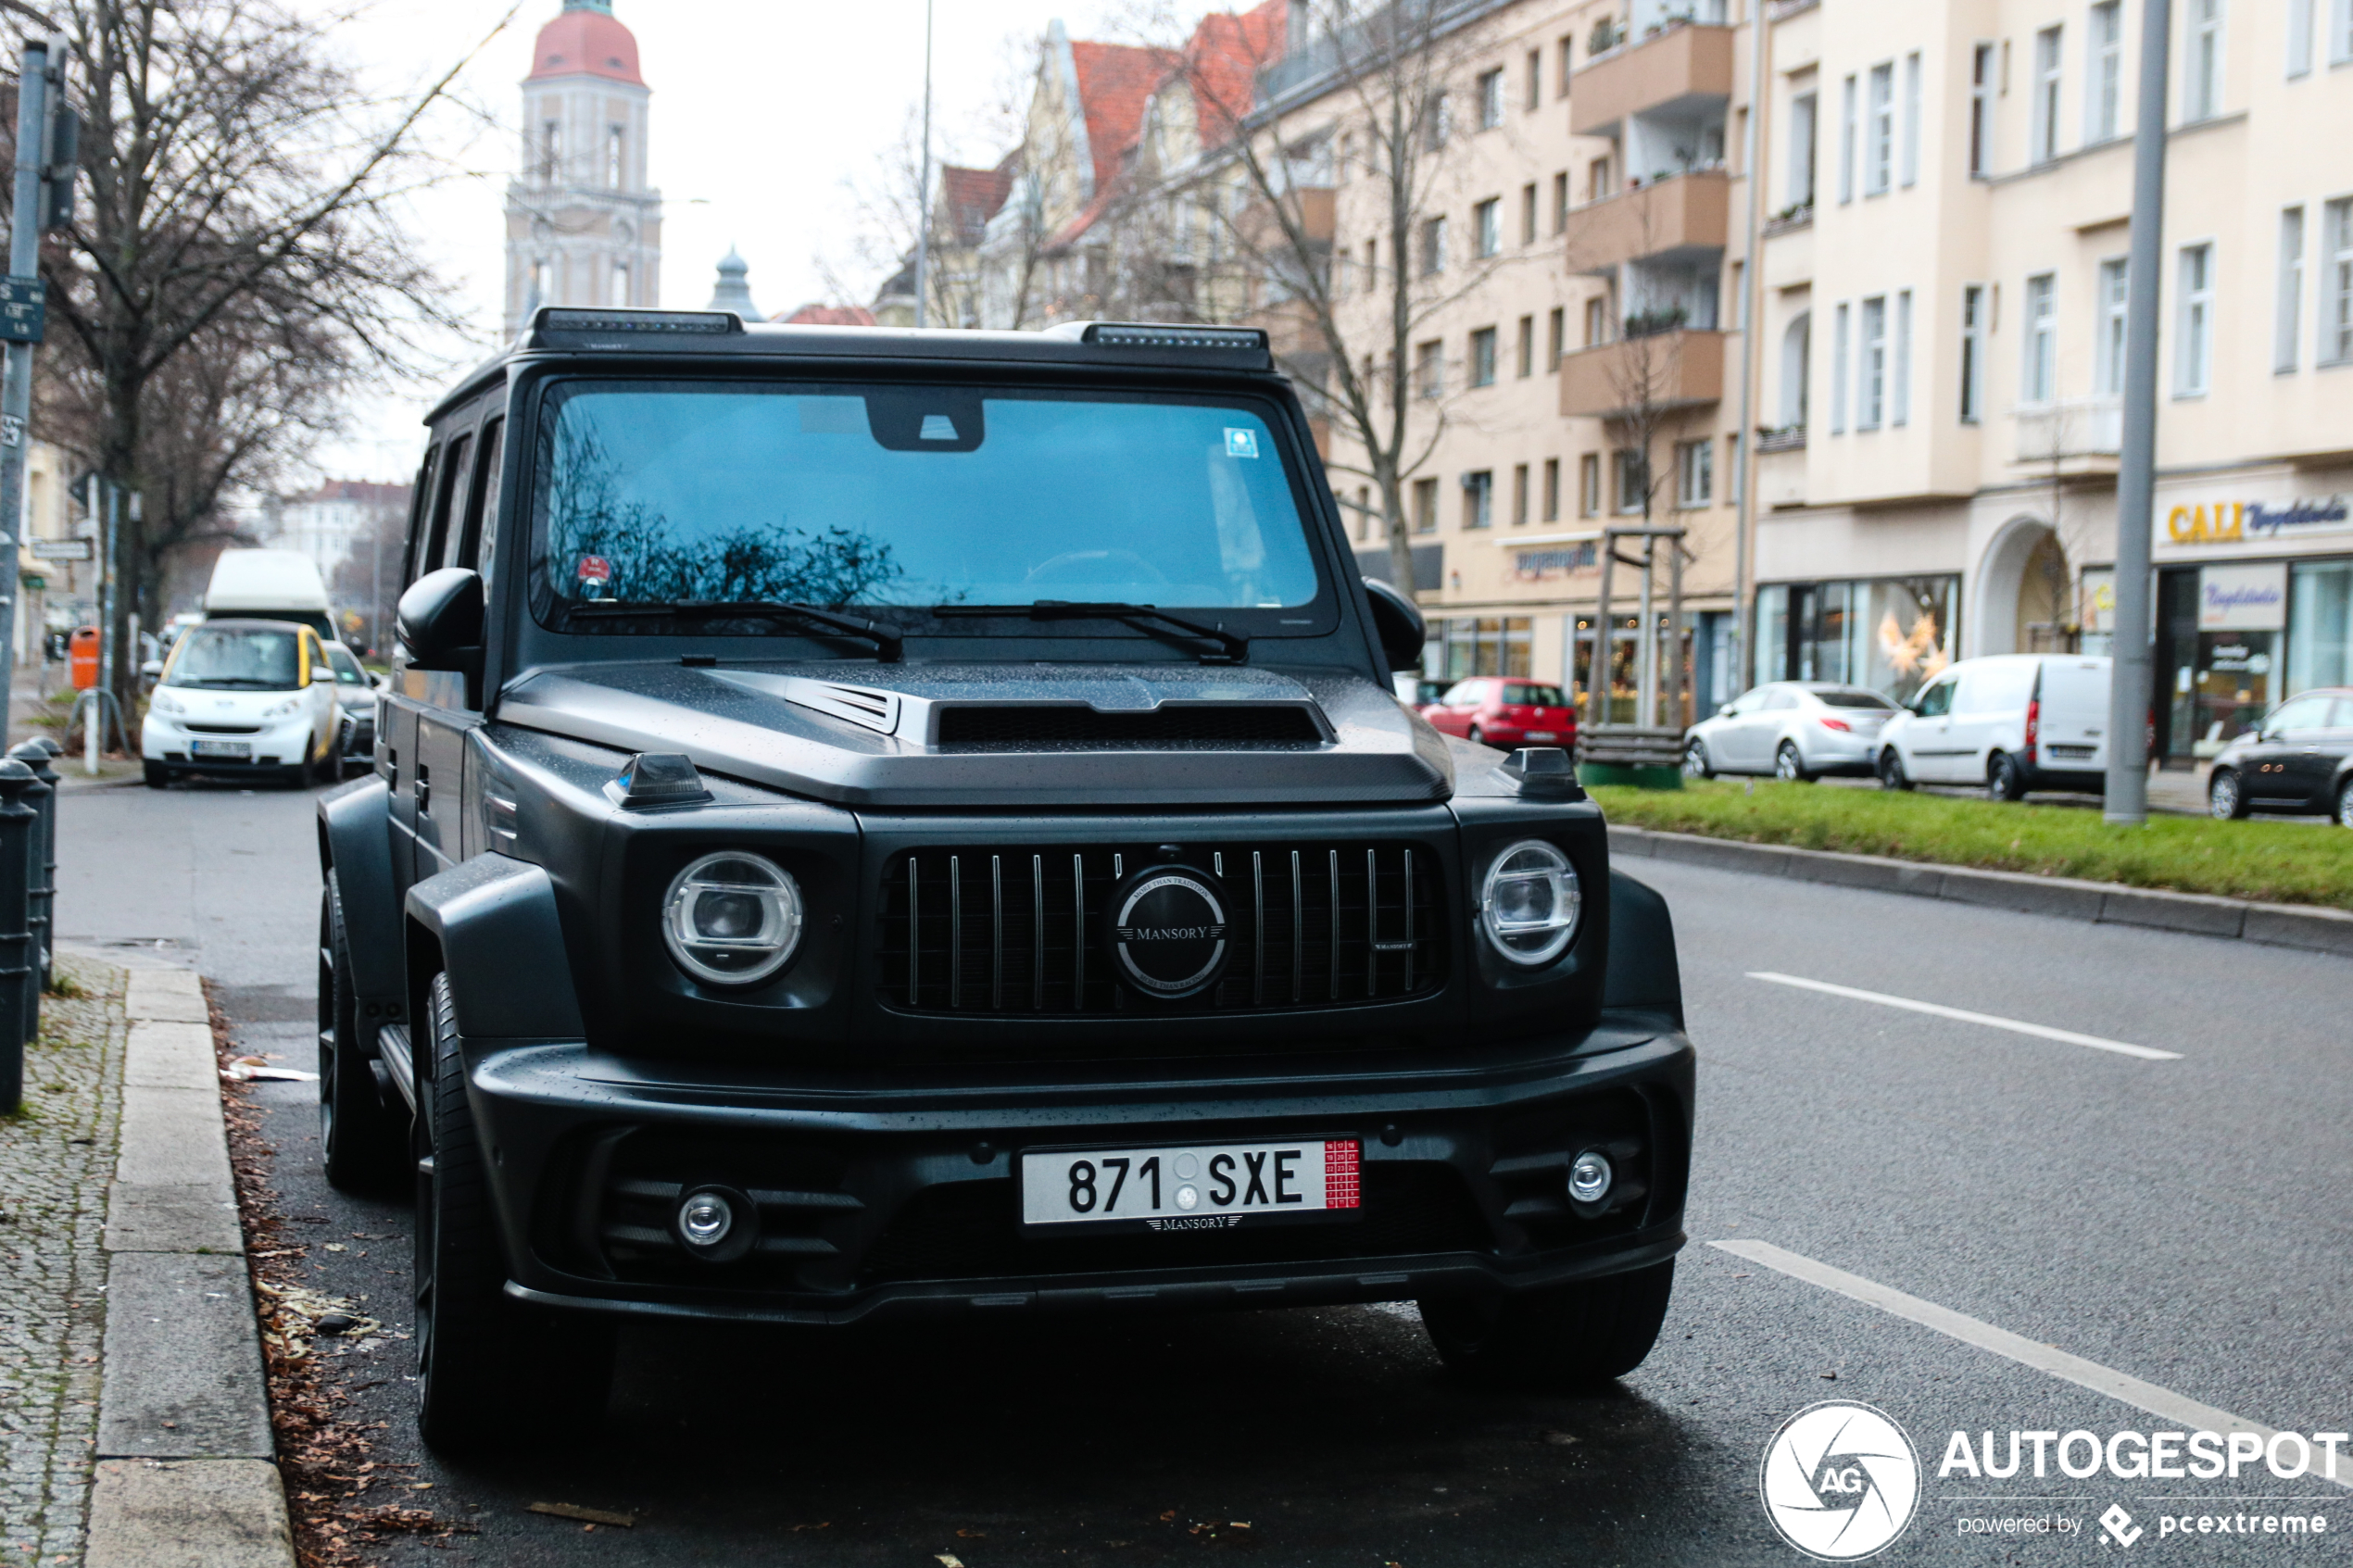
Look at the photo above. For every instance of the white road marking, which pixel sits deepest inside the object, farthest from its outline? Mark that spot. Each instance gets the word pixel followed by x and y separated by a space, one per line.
pixel 2016 1027
pixel 2163 1403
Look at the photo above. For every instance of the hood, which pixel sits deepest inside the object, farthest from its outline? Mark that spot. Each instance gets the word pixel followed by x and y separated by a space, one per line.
pixel 994 735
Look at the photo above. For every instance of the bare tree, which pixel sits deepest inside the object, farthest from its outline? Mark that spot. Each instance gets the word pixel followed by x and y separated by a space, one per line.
pixel 244 240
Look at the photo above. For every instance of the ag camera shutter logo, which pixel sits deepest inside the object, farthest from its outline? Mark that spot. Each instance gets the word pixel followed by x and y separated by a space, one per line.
pixel 1839 1481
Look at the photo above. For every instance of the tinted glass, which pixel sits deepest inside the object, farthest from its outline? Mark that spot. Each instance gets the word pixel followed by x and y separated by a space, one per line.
pixel 2304 713
pixel 1534 697
pixel 1936 700
pixel 1782 697
pixel 235 658
pixel 348 668
pixel 1851 699
pixel 908 496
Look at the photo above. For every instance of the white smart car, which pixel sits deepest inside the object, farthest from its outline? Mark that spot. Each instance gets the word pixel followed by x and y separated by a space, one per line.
pixel 244 698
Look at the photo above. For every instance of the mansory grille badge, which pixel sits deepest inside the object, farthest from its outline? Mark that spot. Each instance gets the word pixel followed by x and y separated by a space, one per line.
pixel 1168 931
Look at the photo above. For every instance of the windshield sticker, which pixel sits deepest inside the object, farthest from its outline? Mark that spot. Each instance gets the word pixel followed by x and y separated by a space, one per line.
pixel 595 571
pixel 1242 442
pixel 938 427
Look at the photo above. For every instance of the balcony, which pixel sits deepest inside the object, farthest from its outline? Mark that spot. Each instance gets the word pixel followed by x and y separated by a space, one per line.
pixel 2075 434
pixel 1680 70
pixel 1677 221
pixel 1670 370
pixel 1788 438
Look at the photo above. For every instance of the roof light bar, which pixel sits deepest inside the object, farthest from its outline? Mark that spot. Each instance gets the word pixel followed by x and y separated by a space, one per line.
pixel 1121 334
pixel 709 322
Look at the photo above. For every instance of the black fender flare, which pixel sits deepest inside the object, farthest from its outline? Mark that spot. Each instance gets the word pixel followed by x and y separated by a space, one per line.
pixel 1643 973
pixel 355 846
pixel 494 924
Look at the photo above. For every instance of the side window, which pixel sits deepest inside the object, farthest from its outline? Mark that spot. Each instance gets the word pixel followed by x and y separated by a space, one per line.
pixel 2304 713
pixel 1465 694
pixel 482 504
pixel 1780 701
pixel 1937 700
pixel 449 507
pixel 421 517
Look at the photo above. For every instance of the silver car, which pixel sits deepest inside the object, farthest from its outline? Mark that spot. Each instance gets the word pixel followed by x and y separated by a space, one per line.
pixel 1790 729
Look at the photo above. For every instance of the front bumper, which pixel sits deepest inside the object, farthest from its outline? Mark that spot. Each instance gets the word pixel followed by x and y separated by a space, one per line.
pixel 876 1202
pixel 281 742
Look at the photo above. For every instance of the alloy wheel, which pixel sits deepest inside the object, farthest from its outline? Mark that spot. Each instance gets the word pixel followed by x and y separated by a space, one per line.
pixel 2222 799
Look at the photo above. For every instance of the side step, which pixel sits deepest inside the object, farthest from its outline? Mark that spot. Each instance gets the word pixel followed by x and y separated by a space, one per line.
pixel 392 1062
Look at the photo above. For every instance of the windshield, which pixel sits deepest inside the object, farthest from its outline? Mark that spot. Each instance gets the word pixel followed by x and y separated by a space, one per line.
pixel 653 493
pixel 1534 697
pixel 1851 699
pixel 235 658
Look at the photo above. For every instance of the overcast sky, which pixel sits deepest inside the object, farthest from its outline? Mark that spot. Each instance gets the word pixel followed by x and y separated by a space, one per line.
pixel 762 109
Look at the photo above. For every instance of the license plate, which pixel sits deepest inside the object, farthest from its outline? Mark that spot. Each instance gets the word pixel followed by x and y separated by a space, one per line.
pixel 1203 1186
pixel 1544 734
pixel 240 749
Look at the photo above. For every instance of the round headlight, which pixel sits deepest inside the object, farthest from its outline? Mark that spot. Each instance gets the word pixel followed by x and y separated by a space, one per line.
pixel 732 917
pixel 1530 904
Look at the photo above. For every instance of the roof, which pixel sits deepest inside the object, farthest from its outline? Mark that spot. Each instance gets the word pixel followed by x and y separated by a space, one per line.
pixel 829 316
pixel 1223 60
pixel 970 198
pixel 365 490
pixel 1116 80
pixel 586 40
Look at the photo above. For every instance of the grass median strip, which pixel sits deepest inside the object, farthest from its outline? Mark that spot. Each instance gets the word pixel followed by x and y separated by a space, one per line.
pixel 2278 862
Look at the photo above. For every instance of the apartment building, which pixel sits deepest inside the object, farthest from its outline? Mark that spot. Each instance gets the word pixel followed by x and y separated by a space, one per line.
pixel 1940 301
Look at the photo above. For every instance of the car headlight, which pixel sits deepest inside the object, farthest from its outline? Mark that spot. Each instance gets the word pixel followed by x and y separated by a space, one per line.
pixel 292 706
pixel 1529 905
pixel 164 702
pixel 732 917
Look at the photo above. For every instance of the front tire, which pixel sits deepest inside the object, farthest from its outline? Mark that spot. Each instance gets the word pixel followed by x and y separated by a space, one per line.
pixel 360 1138
pixel 2344 804
pixel 1695 760
pixel 1565 1336
pixel 2004 781
pixel 2225 801
pixel 484 1364
pixel 1477 736
pixel 1789 764
pixel 157 775
pixel 1891 771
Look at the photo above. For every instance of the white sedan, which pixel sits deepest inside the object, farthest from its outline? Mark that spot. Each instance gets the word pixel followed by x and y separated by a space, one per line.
pixel 1790 729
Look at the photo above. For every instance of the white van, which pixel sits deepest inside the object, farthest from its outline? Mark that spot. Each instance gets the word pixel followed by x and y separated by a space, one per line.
pixel 2011 722
pixel 270 585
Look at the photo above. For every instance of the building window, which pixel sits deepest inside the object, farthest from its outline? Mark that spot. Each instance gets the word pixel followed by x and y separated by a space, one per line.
pixel 1801 151
pixel 1972 353
pixel 1870 378
pixel 2300 38
pixel 1560 203
pixel 2046 94
pixel 1491 99
pixel 616 157
pixel 1365 515
pixel 1433 246
pixel 1880 161
pixel 1438 120
pixel 542 278
pixel 1733 470
pixel 551 148
pixel 620 283
pixel 1462 648
pixel 1981 109
pixel 1846 111
pixel 1556 338
pixel 2202 72
pixel 1429 369
pixel 1487 227
pixel 2039 373
pixel 1633 481
pixel 2288 312
pixel 2336 283
pixel 2193 342
pixel 1567 58
pixel 1535 80
pixel 2340 32
pixel 1694 474
pixel 1478 499
pixel 1838 370
pixel 1552 490
pixel 1425 505
pixel 1519 493
pixel 1797 356
pixel 1483 357
pixel 1912 118
pixel 1900 398
pixel 1597 321
pixel 1589 484
pixel 2108 370
pixel 1527 360
pixel 2104 86
pixel 1527 213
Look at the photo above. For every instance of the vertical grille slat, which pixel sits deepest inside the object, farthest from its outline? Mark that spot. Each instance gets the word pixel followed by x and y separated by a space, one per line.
pixel 1297 953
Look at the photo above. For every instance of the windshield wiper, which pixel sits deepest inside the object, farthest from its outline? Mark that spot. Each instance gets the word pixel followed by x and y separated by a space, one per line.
pixel 1233 648
pixel 889 646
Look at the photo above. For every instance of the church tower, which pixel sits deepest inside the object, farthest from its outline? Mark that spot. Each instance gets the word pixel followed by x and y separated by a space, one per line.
pixel 583 227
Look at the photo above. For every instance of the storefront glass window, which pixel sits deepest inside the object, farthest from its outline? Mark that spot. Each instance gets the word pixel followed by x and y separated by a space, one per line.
pixel 1465 646
pixel 2320 627
pixel 1889 634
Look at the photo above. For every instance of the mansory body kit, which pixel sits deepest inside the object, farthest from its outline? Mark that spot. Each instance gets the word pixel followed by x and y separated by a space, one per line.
pixel 869 824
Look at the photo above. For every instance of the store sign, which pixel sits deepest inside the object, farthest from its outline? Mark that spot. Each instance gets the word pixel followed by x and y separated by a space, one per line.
pixel 2243 598
pixel 2238 522
pixel 1534 566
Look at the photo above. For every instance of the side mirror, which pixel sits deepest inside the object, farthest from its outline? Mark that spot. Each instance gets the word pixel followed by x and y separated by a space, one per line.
pixel 440 620
pixel 1723 710
pixel 1397 623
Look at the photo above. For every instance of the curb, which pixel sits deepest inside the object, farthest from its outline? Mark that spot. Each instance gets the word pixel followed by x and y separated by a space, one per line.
pixel 187 1474
pixel 2108 903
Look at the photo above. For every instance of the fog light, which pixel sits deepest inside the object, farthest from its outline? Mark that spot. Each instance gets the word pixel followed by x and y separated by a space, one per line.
pixel 707 1217
pixel 1589 1177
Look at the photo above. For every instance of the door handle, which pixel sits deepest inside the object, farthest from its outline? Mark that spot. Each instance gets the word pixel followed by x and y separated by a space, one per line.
pixel 425 789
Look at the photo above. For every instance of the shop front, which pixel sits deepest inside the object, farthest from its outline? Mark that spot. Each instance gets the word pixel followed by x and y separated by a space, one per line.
pixel 1890 633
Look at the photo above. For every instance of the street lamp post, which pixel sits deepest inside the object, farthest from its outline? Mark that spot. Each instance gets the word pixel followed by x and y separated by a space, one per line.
pixel 923 192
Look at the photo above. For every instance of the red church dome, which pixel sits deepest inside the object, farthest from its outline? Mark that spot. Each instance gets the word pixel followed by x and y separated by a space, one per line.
pixel 586 40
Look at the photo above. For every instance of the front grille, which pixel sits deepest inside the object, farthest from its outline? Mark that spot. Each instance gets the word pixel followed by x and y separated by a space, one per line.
pixel 1020 931
pixel 223 729
pixel 1172 727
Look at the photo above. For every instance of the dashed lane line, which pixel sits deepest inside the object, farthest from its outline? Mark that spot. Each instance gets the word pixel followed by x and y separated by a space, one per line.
pixel 1937 1009
pixel 2163 1403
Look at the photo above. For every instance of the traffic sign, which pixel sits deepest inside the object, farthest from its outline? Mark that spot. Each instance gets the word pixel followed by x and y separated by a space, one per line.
pixel 23 309
pixel 64 549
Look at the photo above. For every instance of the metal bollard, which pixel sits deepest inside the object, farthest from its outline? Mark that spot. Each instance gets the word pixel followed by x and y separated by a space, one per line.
pixel 17 973
pixel 41 903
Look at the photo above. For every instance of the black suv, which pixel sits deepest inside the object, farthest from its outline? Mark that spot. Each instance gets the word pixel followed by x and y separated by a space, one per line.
pixel 872 825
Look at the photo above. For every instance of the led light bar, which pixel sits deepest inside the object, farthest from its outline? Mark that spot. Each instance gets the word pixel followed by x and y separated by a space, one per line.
pixel 1121 334
pixel 709 322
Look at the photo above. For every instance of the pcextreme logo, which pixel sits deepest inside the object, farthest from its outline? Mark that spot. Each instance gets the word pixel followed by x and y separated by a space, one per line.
pixel 1839 1481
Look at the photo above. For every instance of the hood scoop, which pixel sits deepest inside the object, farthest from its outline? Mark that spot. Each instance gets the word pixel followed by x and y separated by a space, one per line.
pixel 1174 726
pixel 863 706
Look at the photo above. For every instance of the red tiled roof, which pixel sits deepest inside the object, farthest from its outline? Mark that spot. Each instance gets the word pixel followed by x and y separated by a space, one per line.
pixel 973 195
pixel 587 42
pixel 829 316
pixel 1116 80
pixel 1223 60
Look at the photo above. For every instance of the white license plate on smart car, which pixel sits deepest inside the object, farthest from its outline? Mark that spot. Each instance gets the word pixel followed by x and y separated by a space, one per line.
pixel 1200 1186
pixel 240 750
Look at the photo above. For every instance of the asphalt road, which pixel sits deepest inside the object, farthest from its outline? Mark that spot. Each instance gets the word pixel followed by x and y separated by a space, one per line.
pixel 2183 1221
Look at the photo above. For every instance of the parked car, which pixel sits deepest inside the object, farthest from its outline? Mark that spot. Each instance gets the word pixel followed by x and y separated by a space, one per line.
pixel 2299 759
pixel 1064 913
pixel 270 585
pixel 1504 711
pixel 244 698
pixel 1792 729
pixel 356 705
pixel 2010 723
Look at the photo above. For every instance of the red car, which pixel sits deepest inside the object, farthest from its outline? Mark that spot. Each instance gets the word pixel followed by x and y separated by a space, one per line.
pixel 1496 711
